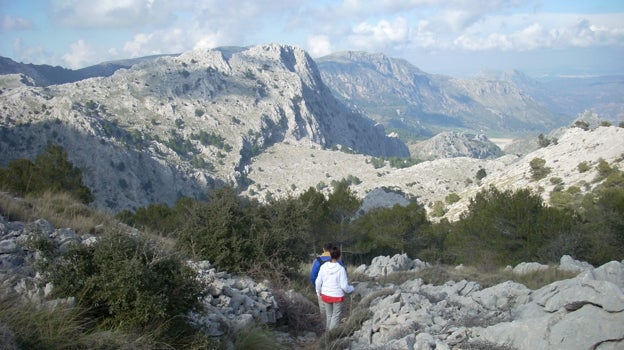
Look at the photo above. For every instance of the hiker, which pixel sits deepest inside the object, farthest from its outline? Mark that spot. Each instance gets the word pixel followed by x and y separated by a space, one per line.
pixel 331 286
pixel 316 265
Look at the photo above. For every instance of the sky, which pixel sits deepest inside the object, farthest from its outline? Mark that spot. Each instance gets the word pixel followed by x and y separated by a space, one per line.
pixel 450 37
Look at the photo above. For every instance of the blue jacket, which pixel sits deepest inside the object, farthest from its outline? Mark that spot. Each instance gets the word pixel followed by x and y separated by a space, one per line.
pixel 316 266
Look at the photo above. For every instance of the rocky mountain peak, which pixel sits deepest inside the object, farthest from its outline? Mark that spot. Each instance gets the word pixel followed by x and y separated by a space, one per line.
pixel 178 125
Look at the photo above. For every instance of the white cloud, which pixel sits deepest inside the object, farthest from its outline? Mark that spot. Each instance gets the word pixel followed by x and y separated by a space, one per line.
pixel 319 45
pixel 29 54
pixel 8 23
pixel 520 35
pixel 383 34
pixel 80 55
pixel 114 13
pixel 145 27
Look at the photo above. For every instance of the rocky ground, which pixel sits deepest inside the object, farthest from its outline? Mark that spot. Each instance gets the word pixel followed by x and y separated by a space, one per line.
pixel 583 312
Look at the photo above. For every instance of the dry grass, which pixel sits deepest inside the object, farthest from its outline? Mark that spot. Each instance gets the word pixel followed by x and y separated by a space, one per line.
pixel 30 326
pixel 60 209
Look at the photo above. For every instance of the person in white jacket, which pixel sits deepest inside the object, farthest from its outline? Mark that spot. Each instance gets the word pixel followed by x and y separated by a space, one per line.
pixel 331 285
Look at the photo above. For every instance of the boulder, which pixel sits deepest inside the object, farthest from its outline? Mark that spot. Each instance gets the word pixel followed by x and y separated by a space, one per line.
pixel 569 264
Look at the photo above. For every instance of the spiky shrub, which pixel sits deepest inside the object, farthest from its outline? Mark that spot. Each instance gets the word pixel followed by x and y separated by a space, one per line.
pixel 126 282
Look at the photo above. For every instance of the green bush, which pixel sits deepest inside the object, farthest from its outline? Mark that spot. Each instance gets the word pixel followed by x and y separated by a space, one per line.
pixel 506 227
pixel 242 236
pixel 377 162
pixel 387 231
pixel 438 209
pixel 581 124
pixel 126 282
pixel 452 198
pixel 543 141
pixel 604 169
pixel 539 170
pixel 51 171
pixel 583 167
pixel 481 174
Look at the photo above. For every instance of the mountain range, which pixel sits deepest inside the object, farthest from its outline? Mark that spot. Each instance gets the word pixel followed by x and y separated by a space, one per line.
pixel 272 121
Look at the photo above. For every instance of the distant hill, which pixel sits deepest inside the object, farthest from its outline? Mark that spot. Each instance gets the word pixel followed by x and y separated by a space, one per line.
pixel 573 95
pixel 44 75
pixel 417 104
pixel 401 96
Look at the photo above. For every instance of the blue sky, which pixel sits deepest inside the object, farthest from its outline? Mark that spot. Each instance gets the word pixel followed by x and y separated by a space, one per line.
pixel 452 37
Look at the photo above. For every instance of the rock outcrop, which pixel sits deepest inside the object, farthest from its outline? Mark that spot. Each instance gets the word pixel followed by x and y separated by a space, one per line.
pixel 454 144
pixel 584 312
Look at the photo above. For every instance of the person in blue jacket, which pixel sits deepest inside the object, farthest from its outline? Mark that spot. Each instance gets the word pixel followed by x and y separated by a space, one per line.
pixel 316 266
pixel 331 286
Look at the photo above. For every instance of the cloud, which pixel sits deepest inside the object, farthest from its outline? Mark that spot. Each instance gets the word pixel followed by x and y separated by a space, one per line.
pixel 208 24
pixel 146 27
pixel 537 35
pixel 80 55
pixel 319 45
pixel 114 13
pixel 384 34
pixel 29 54
pixel 8 23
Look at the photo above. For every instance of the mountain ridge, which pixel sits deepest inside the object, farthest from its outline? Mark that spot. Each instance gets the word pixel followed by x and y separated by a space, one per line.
pixel 260 118
pixel 426 104
pixel 180 125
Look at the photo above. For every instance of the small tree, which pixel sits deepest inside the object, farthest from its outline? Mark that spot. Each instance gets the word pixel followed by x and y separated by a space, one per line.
pixel 51 171
pixel 542 141
pixel 539 170
pixel 481 174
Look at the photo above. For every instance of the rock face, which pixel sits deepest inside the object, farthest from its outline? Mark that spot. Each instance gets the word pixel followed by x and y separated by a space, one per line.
pixel 584 312
pixel 178 126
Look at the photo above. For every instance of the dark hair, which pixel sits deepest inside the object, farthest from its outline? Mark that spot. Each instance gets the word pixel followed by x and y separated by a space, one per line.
pixel 327 246
pixel 335 253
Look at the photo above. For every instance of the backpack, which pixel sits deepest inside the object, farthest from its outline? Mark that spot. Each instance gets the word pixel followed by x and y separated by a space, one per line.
pixel 321 261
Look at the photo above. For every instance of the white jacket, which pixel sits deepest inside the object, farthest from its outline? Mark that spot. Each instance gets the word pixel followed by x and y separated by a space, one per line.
pixel 332 280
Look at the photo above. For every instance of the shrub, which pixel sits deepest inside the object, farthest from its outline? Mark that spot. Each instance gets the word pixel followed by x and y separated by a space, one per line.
pixel 452 198
pixel 583 167
pixel 556 180
pixel 481 174
pixel 241 236
pixel 506 227
pixel 378 162
pixel 604 169
pixel 126 282
pixel 256 338
pixel 582 124
pixel 438 210
pixel 539 170
pixel 51 171
pixel 542 141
